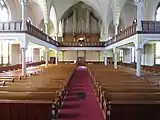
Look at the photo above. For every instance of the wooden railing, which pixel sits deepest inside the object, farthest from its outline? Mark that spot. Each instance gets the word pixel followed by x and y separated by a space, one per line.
pixel 151 27
pixel 128 32
pixel 10 26
pixel 82 44
pixel 32 30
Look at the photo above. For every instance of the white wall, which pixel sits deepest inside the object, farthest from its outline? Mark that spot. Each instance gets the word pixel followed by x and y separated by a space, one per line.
pixel 36 55
pixel 127 55
pixel 70 55
pixel 15 54
pixel 81 53
pixel 148 55
pixel 92 56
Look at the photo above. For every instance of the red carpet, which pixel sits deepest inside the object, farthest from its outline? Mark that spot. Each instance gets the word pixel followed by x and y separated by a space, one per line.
pixel 80 102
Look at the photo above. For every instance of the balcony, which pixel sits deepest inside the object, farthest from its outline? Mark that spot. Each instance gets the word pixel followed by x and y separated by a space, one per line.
pixel 148 27
pixel 82 44
pixel 16 27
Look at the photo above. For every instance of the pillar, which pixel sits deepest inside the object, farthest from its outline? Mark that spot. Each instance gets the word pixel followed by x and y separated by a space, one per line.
pixel 139 14
pixel 24 13
pixel 46 57
pixel 56 57
pixel 138 67
pixel 36 55
pixel 24 69
pixel 46 27
pixel 56 36
pixel 105 58
pixel 116 29
pixel 115 58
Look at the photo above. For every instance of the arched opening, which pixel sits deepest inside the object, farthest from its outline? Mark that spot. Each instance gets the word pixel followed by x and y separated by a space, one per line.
pixel 4 11
pixel 81 21
pixel 4 45
pixel 157 46
pixel 53 23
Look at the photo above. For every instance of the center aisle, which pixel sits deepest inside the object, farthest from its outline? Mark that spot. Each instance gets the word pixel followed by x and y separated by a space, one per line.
pixel 80 102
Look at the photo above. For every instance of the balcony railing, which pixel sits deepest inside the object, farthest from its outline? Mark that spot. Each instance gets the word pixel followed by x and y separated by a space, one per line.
pixel 10 26
pixel 16 26
pixel 128 32
pixel 32 30
pixel 82 44
pixel 151 27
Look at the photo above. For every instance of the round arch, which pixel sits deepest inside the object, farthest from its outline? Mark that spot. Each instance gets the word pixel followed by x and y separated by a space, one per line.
pixel 4 11
pixel 53 19
pixel 157 13
pixel 88 3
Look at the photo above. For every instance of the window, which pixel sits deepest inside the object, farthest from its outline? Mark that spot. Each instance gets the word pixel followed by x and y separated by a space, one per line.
pixel 29 54
pixel 3 11
pixel 121 55
pixel 4 45
pixel 157 53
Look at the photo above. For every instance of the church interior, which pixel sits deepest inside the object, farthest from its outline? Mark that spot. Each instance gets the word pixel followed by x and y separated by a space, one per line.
pixel 79 59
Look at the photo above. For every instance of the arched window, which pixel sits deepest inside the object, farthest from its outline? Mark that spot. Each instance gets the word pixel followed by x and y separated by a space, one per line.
pixel 3 11
pixel 158 14
pixel 157 53
pixel 4 45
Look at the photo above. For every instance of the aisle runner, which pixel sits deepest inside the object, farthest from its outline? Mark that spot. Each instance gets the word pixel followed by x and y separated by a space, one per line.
pixel 80 102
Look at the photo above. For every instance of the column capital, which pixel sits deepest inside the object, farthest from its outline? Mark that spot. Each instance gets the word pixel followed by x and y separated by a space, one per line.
pixel 139 49
pixel 46 49
pixel 115 50
pixel 139 1
pixel 24 49
pixel 23 1
pixel 46 22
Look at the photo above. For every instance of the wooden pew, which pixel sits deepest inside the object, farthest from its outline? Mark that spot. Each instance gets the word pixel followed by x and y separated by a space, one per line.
pixel 35 97
pixel 124 96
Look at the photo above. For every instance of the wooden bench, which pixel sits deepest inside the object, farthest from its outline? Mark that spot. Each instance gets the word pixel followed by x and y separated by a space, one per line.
pixel 124 96
pixel 37 97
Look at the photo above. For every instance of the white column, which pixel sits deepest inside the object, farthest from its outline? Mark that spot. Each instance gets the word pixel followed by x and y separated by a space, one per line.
pixel 115 59
pixel 116 29
pixel 105 58
pixel 46 27
pixel 62 30
pixel 24 13
pixel 116 32
pixel 24 69
pixel 56 36
pixel 139 14
pixel 46 57
pixel 56 59
pixel 138 68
